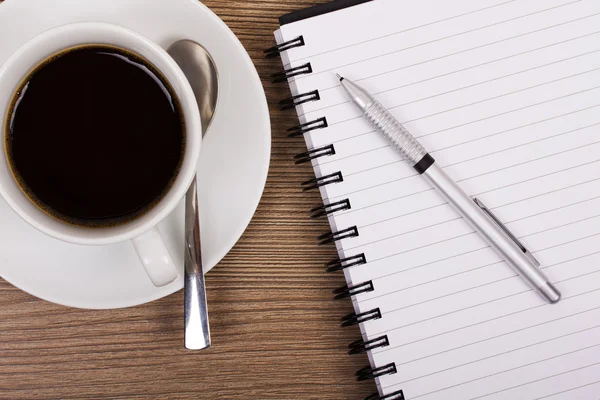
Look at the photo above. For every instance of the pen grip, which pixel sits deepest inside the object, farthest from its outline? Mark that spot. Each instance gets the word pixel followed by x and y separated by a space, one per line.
pixel 382 120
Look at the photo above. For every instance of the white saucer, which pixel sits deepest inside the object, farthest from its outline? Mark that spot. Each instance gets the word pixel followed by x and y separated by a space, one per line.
pixel 232 172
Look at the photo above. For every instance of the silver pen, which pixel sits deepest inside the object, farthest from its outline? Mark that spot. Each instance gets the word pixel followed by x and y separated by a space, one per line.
pixel 473 210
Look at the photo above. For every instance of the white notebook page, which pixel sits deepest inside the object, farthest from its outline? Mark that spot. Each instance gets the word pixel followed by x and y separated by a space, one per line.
pixel 506 97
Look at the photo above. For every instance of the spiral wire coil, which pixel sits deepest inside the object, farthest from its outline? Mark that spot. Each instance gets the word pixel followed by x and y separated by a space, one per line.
pixel 411 150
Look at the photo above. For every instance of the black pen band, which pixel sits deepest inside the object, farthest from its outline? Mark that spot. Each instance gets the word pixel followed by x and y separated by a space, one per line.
pixel 426 162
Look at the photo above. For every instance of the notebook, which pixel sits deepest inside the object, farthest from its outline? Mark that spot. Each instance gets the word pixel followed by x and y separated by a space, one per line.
pixel 506 97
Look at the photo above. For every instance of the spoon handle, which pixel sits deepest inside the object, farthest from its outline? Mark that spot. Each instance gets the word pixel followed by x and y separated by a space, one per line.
pixel 197 330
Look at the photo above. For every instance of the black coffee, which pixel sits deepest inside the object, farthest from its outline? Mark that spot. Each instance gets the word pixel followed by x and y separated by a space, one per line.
pixel 95 136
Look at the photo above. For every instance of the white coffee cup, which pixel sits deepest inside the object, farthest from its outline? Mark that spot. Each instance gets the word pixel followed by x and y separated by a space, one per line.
pixel 142 231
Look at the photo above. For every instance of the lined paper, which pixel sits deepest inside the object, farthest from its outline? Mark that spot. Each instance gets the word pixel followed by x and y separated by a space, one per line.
pixel 506 96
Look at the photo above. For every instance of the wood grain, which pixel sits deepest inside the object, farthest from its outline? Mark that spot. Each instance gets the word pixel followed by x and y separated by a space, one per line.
pixel 275 329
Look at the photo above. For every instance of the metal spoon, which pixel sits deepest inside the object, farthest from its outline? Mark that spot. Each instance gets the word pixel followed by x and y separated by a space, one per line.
pixel 199 68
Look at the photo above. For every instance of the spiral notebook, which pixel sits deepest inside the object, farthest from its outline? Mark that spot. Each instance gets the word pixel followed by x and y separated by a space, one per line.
pixel 506 97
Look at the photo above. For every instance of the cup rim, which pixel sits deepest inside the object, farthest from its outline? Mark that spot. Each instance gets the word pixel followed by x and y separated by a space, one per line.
pixel 173 73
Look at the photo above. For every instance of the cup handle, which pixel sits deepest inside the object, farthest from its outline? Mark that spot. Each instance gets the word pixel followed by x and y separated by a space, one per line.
pixel 155 257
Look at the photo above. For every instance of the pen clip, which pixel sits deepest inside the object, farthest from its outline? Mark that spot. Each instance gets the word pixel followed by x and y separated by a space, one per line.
pixel 507 231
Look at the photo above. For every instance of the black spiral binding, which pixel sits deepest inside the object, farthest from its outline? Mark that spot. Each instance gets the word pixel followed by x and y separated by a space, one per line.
pixel 359 346
pixel 330 208
pixel 339 235
pixel 372 373
pixel 399 395
pixel 349 291
pixel 322 181
pixel 343 263
pixel 313 154
pixel 274 51
pixel 292 102
pixel 355 319
pixel 301 129
pixel 291 72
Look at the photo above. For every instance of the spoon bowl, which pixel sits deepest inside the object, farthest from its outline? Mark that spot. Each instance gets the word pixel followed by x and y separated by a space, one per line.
pixel 201 71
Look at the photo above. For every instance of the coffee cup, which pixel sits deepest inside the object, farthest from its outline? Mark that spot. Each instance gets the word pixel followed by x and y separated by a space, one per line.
pixel 142 229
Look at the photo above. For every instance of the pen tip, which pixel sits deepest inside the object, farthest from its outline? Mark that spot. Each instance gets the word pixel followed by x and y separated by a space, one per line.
pixel 339 77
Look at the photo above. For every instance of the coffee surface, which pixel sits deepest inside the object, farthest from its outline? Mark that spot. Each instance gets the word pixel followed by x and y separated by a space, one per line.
pixel 95 136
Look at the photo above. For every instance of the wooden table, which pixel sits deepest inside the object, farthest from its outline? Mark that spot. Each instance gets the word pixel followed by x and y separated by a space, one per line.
pixel 275 329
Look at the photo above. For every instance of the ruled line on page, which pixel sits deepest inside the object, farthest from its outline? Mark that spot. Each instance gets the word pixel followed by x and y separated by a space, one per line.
pixel 387 276
pixel 470 141
pixel 487 302
pixel 484 137
pixel 492 319
pixel 552 191
pixel 483 156
pixel 521 145
pixel 391 329
pixel 405 30
pixel 537 355
pixel 503 335
pixel 513 277
pixel 518 146
pixel 337 159
pixel 495 115
pixel 303 114
pixel 491 208
pixel 562 327
pixel 566 298
pixel 533 179
pixel 395 293
pixel 497 97
pixel 477 120
pixel 451 73
pixel 515 350
pixel 480 175
pixel 568 390
pixel 326 198
pixel 485 259
pixel 438 224
pixel 473 195
pixel 546 306
pixel 462 180
pixel 425 264
pixel 463 33
pixel 384 356
pixel 485 266
pixel 512 369
pixel 375 93
pixel 471 234
pixel 373 261
pixel 456 218
pixel 383 295
pixel 537 380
